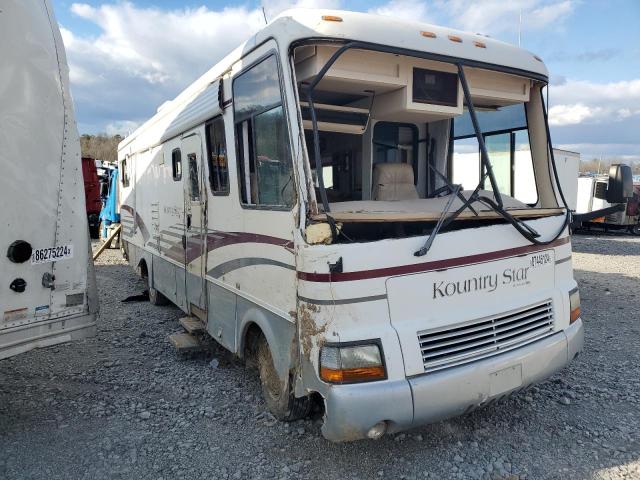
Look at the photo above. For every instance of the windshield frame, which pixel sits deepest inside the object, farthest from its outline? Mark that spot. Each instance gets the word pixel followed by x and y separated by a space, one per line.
pixel 460 63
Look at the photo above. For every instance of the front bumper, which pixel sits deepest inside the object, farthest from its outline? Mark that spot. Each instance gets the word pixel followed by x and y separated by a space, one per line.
pixel 351 410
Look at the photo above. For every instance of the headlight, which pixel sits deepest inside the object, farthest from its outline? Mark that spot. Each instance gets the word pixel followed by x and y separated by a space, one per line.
pixel 351 363
pixel 574 305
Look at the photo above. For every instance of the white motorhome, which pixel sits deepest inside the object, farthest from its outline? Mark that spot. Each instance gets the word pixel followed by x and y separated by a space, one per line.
pixel 368 208
pixel 48 291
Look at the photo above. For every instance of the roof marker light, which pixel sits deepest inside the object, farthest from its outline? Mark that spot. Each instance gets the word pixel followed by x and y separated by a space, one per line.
pixel 480 44
pixel 331 18
pixel 455 38
pixel 428 34
pixel 537 58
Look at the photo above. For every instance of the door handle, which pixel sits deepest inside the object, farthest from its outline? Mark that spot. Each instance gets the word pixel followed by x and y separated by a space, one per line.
pixel 188 221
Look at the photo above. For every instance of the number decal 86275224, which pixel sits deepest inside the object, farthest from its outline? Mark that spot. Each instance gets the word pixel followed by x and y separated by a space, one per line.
pixel 51 254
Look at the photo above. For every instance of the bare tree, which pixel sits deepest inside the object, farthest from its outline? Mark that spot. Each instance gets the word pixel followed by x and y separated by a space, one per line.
pixel 100 146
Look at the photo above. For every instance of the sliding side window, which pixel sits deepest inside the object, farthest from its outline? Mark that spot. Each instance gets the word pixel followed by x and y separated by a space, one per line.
pixel 124 173
pixel 264 160
pixel 217 157
pixel 176 164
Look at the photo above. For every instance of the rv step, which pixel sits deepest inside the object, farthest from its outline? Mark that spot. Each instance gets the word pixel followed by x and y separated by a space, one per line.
pixel 185 342
pixel 192 324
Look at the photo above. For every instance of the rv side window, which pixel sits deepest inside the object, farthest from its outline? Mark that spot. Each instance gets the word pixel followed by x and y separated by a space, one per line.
pixel 194 187
pixel 264 159
pixel 125 173
pixel 176 164
pixel 217 157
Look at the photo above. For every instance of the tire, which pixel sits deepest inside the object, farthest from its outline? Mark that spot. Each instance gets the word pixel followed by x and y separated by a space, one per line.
pixel 124 250
pixel 94 231
pixel 156 298
pixel 279 397
pixel 635 229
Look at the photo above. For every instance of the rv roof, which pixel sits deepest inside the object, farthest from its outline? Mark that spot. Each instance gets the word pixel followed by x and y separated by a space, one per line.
pixel 299 24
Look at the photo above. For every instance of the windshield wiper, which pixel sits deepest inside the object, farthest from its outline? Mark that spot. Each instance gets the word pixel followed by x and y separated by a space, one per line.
pixel 425 248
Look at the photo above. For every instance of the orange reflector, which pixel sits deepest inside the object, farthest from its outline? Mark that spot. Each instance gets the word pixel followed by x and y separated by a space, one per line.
pixel 480 44
pixel 598 220
pixel 574 315
pixel 331 18
pixel 428 34
pixel 455 38
pixel 352 374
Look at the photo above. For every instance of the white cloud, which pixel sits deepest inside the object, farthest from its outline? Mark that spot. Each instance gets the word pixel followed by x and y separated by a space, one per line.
pixel 580 102
pixel 414 10
pixel 571 114
pixel 496 16
pixel 144 56
pixel 122 127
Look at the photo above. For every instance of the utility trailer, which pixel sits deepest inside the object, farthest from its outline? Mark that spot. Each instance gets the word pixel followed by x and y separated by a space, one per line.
pixel 92 195
pixel 595 208
pixel 369 208
pixel 47 283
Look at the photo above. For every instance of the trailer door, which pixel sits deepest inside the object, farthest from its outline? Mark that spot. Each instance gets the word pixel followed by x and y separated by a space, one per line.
pixel 195 223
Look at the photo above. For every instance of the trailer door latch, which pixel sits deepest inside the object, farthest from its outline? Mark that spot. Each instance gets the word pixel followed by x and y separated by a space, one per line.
pixel 48 280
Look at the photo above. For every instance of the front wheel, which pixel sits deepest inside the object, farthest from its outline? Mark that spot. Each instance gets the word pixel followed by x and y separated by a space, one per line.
pixel 635 229
pixel 279 396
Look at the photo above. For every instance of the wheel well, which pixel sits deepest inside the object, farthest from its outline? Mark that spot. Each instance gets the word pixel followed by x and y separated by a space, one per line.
pixel 252 335
pixel 142 269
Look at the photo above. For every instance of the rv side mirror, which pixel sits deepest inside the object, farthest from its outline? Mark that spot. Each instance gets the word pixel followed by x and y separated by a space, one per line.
pixel 620 187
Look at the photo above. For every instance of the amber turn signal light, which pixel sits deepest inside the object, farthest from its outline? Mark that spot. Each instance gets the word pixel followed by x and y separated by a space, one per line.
pixel 352 375
pixel 331 18
pixel 351 363
pixel 574 305
pixel 575 314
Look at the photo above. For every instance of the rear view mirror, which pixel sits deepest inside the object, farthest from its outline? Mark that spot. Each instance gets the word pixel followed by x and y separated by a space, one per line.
pixel 620 183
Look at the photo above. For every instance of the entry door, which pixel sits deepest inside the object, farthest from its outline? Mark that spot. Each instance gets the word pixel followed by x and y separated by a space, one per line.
pixel 195 232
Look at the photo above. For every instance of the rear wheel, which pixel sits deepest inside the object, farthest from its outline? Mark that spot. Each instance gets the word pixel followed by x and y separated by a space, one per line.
pixel 635 229
pixel 279 397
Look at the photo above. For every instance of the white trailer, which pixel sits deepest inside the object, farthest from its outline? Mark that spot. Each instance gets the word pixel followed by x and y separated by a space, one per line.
pixel 369 208
pixel 568 164
pixel 47 288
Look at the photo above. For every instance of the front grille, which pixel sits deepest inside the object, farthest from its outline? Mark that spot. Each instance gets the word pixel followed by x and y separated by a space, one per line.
pixel 485 337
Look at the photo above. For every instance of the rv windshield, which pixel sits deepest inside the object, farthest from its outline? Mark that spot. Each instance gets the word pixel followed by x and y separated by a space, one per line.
pixel 396 147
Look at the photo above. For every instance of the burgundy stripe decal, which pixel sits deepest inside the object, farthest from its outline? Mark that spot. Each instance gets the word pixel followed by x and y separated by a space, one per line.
pixel 138 220
pixel 230 238
pixel 426 266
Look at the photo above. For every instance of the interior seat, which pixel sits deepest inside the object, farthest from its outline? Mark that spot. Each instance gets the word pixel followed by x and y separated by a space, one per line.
pixel 393 181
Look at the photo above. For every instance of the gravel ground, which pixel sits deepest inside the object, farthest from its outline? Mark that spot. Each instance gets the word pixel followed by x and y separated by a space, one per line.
pixel 124 405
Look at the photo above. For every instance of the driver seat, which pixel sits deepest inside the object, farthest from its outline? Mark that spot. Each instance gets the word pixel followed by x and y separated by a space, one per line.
pixel 393 181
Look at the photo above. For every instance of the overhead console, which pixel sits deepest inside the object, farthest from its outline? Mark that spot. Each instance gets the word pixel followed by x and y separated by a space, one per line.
pixel 394 88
